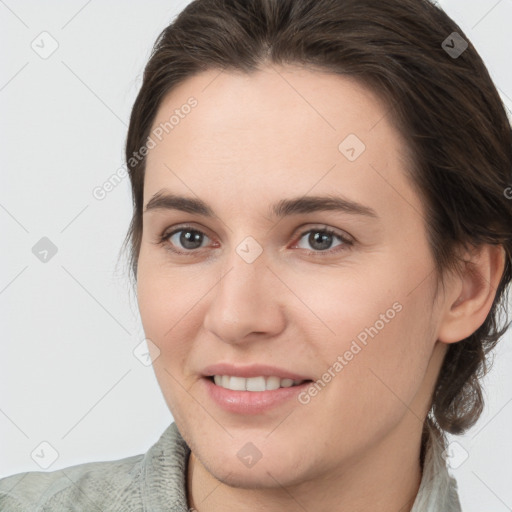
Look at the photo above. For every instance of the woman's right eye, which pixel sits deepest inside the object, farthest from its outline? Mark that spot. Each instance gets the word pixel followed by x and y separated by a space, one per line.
pixel 187 239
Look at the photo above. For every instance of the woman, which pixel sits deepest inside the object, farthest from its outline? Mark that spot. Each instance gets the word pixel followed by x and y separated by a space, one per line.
pixel 321 246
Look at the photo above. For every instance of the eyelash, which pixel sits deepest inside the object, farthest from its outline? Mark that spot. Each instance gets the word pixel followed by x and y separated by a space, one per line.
pixel 346 242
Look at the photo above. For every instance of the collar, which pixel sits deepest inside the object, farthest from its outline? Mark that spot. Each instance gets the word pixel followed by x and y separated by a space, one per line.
pixel 438 490
pixel 165 470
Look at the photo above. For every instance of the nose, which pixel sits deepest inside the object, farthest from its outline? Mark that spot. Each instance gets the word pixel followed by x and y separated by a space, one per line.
pixel 247 303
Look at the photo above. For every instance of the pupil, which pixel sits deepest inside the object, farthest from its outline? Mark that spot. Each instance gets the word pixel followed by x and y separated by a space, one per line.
pixel 189 238
pixel 325 240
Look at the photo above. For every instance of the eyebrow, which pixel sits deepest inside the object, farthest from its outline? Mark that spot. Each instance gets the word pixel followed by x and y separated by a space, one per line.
pixel 285 207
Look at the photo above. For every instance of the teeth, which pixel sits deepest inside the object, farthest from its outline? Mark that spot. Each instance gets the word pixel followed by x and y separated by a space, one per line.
pixel 272 383
pixel 253 383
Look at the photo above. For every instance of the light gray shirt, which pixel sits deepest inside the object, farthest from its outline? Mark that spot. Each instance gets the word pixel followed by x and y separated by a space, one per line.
pixel 156 481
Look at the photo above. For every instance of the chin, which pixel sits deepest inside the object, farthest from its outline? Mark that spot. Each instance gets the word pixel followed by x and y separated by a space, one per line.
pixel 250 468
pixel 260 476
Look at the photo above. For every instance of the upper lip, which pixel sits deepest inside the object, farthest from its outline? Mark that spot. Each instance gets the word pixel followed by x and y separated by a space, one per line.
pixel 253 370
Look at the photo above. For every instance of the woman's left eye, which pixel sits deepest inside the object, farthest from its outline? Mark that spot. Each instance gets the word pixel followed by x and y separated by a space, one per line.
pixel 190 240
pixel 322 239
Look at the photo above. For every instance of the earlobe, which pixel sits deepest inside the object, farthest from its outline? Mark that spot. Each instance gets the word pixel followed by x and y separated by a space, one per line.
pixel 472 293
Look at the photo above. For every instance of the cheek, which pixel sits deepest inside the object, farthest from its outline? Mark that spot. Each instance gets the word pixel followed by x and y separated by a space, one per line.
pixel 164 318
pixel 376 334
pixel 171 305
pixel 164 296
pixel 385 354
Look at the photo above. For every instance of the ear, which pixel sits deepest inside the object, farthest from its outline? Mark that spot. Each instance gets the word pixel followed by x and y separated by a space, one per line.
pixel 471 293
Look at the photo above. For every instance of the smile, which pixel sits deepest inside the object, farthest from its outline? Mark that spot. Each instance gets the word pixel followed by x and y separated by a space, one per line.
pixel 256 384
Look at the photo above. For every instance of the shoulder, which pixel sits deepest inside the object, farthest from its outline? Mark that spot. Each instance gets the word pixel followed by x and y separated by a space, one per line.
pixel 81 487
pixel 150 481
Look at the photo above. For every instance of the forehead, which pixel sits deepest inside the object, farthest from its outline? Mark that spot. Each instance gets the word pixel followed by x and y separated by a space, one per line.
pixel 280 130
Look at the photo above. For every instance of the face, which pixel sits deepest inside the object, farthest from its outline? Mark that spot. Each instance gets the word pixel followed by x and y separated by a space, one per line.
pixel 337 293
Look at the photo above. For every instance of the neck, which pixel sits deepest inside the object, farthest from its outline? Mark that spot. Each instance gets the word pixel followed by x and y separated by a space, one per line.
pixel 387 475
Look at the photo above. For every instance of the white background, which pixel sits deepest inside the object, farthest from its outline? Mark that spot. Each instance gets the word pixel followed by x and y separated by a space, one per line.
pixel 69 326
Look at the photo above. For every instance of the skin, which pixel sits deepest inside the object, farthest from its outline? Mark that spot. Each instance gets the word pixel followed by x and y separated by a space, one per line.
pixel 251 141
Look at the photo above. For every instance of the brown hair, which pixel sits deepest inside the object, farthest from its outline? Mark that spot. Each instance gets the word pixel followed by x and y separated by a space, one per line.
pixel 445 106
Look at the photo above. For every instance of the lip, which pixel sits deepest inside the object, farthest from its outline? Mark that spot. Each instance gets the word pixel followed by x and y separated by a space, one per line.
pixel 251 402
pixel 253 370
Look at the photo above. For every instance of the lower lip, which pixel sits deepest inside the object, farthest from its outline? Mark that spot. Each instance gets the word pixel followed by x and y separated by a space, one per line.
pixel 251 402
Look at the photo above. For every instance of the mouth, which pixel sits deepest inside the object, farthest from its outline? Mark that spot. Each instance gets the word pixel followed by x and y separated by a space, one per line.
pixel 252 390
pixel 254 384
